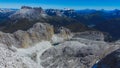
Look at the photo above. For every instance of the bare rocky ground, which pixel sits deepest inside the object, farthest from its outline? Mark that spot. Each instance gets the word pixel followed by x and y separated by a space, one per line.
pixel 33 49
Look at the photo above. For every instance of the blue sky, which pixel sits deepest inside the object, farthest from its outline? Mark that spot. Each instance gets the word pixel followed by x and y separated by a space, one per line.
pixel 75 4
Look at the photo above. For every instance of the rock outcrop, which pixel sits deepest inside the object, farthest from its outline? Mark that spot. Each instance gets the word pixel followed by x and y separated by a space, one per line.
pixel 64 32
pixel 39 32
pixel 91 35
pixel 13 57
pixel 112 60
pixel 75 54
pixel 61 35
pixel 9 59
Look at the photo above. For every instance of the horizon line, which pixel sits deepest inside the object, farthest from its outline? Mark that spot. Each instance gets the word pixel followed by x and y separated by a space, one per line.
pixel 66 8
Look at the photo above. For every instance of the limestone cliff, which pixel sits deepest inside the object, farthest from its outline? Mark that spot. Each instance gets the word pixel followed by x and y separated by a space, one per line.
pixel 62 35
pixel 39 32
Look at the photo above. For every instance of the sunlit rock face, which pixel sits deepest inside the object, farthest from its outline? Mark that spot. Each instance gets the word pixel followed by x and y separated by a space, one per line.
pixel 12 57
pixel 28 13
pixel 34 52
pixel 64 32
pixel 7 38
pixel 112 60
pixel 75 54
pixel 9 59
pixel 39 32
pixel 61 35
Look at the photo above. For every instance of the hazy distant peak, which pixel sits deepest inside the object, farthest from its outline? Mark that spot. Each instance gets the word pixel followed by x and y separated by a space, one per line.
pixel 26 7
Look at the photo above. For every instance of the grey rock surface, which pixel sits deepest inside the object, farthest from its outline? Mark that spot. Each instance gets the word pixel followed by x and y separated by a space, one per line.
pixel 28 13
pixel 39 32
pixel 91 35
pixel 9 59
pixel 75 54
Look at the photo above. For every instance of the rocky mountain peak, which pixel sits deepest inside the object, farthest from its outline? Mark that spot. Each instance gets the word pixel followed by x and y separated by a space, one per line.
pixel 39 32
pixel 28 13
pixel 26 7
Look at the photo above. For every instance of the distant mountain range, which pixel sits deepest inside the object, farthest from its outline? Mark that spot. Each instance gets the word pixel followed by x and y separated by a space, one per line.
pixel 76 20
pixel 53 38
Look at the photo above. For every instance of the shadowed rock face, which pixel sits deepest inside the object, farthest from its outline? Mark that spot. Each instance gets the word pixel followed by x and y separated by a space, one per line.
pixel 39 32
pixel 110 61
pixel 26 7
